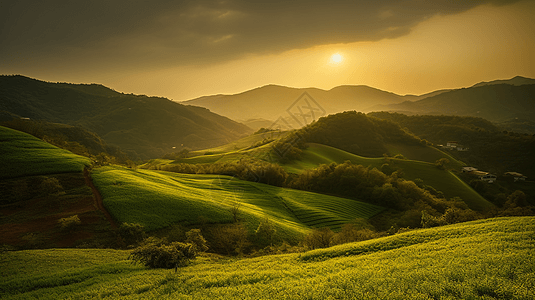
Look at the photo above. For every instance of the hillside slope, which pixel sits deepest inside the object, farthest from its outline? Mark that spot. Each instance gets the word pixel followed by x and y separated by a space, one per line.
pixel 22 155
pixel 488 259
pixel 141 125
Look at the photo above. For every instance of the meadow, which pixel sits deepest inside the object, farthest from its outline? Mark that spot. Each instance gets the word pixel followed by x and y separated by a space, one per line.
pixel 157 199
pixel 24 155
pixel 486 259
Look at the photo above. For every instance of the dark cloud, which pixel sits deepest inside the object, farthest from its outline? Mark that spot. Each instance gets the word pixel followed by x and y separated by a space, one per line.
pixel 197 32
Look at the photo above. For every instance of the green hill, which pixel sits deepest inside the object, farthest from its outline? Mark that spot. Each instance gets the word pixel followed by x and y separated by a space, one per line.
pixel 142 125
pixel 487 259
pixel 158 199
pixel 23 155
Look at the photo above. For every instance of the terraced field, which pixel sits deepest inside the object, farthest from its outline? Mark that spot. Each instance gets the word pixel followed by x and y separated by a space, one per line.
pixel 157 199
pixel 22 154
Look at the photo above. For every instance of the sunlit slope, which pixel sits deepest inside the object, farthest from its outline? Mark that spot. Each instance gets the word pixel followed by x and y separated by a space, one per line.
pixel 487 259
pixel 22 154
pixel 441 180
pixel 157 199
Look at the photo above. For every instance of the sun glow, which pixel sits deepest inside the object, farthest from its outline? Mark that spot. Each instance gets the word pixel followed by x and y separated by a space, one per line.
pixel 336 58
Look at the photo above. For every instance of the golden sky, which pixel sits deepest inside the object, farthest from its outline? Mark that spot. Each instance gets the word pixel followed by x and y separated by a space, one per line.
pixel 183 50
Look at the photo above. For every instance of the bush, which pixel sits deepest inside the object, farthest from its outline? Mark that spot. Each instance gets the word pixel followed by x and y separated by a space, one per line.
pixel 156 253
pixel 195 238
pixel 230 239
pixel 50 186
pixel 131 233
pixel 319 238
pixel 69 223
pixel 265 233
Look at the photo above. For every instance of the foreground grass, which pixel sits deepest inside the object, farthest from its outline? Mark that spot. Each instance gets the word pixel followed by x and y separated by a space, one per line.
pixel 158 199
pixel 488 259
pixel 23 155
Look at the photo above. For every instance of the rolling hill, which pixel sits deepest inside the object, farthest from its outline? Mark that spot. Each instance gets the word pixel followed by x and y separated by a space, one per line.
pixel 486 259
pixel 146 127
pixel 159 199
pixel 23 155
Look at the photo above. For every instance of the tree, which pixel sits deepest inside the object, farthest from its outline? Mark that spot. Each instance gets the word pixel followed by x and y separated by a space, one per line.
pixel 131 233
pixel 319 238
pixel 265 232
pixel 156 253
pixel 441 163
pixel 195 238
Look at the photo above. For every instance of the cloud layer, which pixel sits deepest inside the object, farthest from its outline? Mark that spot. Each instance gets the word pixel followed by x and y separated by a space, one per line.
pixel 150 33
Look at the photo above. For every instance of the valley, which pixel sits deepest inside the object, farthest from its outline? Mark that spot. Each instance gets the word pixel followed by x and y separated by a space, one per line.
pixel 292 213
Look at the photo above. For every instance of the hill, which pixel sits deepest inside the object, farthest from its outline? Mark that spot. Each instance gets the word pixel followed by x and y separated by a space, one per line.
pixel 487 259
pixel 22 155
pixel 40 185
pixel 143 126
pixel 517 80
pixel 271 101
pixel 154 198
pixel 490 148
pixel 495 102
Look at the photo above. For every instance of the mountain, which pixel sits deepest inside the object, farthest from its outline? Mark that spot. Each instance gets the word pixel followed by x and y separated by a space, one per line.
pixel 494 102
pixel 272 101
pixel 143 126
pixel 518 80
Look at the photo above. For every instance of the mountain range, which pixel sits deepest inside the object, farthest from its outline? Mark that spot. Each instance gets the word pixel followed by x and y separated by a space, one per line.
pixel 497 101
pixel 142 126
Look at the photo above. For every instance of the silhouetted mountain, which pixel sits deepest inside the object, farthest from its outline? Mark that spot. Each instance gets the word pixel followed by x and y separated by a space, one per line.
pixel 271 101
pixel 140 125
pixel 495 102
pixel 518 80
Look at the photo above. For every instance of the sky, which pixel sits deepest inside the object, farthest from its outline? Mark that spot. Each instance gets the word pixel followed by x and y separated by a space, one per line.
pixel 186 49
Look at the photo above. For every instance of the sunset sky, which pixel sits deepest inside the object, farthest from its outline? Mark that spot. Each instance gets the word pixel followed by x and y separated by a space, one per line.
pixel 186 49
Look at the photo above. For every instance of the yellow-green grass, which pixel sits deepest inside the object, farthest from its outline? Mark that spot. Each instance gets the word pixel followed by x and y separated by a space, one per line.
pixel 444 181
pixel 441 180
pixel 241 144
pixel 487 259
pixel 427 154
pixel 317 154
pixel 156 199
pixel 22 154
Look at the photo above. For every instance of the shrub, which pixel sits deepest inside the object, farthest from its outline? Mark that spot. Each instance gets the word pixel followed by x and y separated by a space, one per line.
pixel 265 233
pixel 131 233
pixel 229 239
pixel 50 186
pixel 319 238
pixel 156 253
pixel 195 238
pixel 69 223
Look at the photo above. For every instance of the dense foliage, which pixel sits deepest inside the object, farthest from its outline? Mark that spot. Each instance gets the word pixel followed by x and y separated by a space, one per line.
pixel 157 253
pixel 490 149
pixel 357 133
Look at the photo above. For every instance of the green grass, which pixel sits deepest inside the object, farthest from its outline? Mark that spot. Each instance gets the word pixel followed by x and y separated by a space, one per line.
pixel 487 259
pixel 427 154
pixel 23 155
pixel 157 199
pixel 444 181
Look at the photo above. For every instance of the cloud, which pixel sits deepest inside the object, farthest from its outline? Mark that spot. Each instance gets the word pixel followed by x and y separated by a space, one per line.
pixel 149 33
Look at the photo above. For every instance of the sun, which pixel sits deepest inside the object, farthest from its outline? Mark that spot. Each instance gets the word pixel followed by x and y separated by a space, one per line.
pixel 336 58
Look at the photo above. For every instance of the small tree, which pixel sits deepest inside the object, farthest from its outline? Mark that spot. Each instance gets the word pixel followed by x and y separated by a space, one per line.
pixel 319 238
pixel 132 233
pixel 156 253
pixel 265 233
pixel 441 163
pixel 195 238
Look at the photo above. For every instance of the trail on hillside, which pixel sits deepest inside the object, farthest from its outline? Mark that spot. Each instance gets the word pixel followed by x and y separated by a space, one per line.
pixel 98 199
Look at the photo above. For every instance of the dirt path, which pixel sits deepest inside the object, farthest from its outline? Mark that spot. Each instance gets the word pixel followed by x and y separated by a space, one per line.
pixel 98 199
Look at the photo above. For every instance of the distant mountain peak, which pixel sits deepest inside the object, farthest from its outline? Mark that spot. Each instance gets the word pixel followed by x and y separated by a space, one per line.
pixel 517 80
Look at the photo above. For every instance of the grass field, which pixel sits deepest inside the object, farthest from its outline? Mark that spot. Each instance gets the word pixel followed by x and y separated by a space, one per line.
pixel 23 155
pixel 487 259
pixel 157 199
pixel 441 180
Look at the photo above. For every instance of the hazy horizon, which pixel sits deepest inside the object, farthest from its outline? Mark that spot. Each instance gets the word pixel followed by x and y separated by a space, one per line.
pixel 186 50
